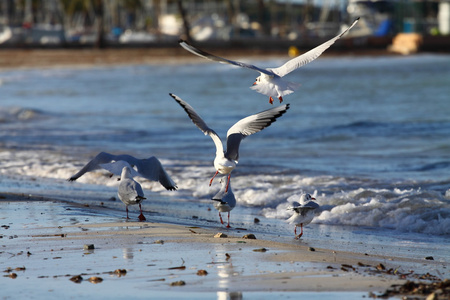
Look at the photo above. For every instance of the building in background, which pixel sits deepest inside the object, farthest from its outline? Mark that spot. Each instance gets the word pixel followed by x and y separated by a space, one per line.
pixel 161 22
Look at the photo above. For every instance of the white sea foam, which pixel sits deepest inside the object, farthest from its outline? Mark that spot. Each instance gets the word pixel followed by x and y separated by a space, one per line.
pixel 411 210
pixel 406 209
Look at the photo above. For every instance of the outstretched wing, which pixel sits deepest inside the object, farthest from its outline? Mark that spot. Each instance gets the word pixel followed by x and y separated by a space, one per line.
pixel 198 121
pixel 94 164
pixel 152 169
pixel 219 59
pixel 250 125
pixel 309 56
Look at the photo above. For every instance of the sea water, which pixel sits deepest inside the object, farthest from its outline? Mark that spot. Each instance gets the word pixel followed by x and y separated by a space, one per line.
pixel 368 137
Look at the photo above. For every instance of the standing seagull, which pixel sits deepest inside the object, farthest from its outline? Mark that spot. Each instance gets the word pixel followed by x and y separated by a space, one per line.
pixel 303 212
pixel 130 192
pixel 270 81
pixel 224 201
pixel 225 162
pixel 149 168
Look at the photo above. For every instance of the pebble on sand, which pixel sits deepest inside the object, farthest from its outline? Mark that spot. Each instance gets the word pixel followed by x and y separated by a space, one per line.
pixel 95 279
pixel 202 273
pixel 249 236
pixel 76 278
pixel 178 283
pixel 89 247
pixel 220 235
pixel 260 250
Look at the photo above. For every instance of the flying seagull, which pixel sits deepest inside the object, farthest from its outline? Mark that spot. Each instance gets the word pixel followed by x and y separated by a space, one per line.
pixel 130 191
pixel 224 201
pixel 149 168
pixel 270 81
pixel 225 161
pixel 303 212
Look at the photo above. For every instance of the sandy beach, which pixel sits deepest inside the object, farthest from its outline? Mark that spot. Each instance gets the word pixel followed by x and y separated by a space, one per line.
pixel 50 247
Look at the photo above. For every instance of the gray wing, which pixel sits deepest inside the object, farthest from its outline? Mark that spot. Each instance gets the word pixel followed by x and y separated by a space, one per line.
pixel 312 205
pixel 219 59
pixel 198 121
pixel 94 164
pixel 304 209
pixel 250 125
pixel 309 56
pixel 152 169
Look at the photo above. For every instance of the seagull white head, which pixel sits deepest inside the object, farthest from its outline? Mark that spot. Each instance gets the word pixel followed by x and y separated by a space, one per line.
pixel 305 198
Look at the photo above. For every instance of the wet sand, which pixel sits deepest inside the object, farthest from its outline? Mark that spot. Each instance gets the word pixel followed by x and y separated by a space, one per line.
pixel 44 249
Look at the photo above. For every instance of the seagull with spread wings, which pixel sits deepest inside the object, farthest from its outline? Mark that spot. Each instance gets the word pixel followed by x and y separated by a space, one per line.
pixel 149 168
pixel 225 161
pixel 271 82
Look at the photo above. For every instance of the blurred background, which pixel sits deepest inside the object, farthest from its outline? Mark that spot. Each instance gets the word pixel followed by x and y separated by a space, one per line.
pixel 400 25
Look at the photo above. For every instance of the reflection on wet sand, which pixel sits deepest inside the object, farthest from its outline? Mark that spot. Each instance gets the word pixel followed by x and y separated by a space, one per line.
pixel 225 271
pixel 127 253
pixel 229 296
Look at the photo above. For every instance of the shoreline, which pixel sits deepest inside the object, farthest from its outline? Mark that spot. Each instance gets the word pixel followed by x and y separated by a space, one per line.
pixel 12 59
pixel 46 239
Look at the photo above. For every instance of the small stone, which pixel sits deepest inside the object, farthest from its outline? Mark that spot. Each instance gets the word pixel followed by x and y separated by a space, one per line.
pixel 178 283
pixel 260 250
pixel 249 236
pixel 89 247
pixel 311 249
pixel 202 273
pixel 120 272
pixel 220 235
pixel 95 279
pixel 76 279
pixel 429 258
